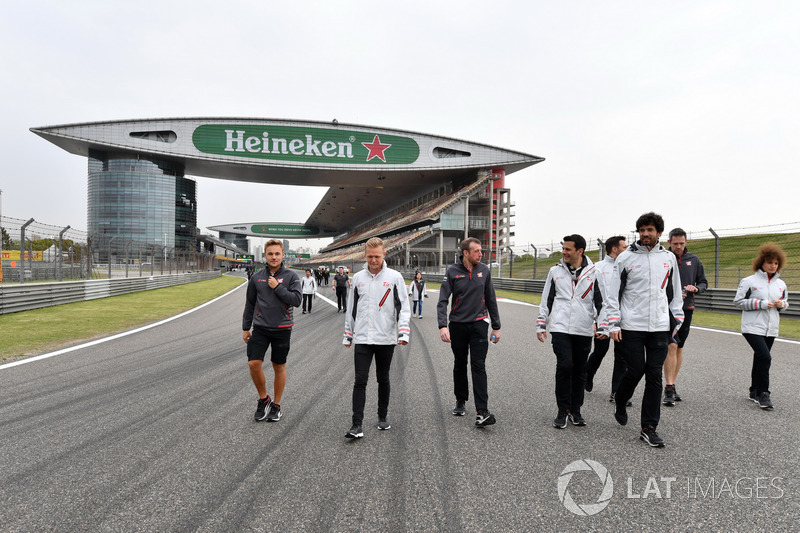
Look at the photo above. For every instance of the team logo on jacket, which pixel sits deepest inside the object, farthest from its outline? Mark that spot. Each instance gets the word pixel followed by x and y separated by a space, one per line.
pixel 386 284
pixel 666 266
pixel 480 274
pixel 460 276
pixel 688 263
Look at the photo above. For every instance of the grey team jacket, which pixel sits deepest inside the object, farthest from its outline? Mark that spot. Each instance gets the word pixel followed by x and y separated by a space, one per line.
pixel 473 295
pixel 752 297
pixel 570 301
pixel 644 287
pixel 692 273
pixel 377 308
pixel 272 308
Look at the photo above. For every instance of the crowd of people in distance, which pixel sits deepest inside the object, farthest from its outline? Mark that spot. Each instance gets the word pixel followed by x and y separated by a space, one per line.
pixel 640 295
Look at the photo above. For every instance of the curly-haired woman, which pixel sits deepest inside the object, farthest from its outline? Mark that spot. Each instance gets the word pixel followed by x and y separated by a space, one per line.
pixel 762 297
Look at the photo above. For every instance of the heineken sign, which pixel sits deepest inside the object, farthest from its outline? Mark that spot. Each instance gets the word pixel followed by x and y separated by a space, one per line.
pixel 284 230
pixel 306 144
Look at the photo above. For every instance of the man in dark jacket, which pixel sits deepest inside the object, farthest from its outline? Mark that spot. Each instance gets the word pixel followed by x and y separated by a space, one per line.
pixel 271 294
pixel 693 281
pixel 470 283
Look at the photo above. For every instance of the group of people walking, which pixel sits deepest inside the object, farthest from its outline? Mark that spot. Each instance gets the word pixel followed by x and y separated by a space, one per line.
pixel 641 297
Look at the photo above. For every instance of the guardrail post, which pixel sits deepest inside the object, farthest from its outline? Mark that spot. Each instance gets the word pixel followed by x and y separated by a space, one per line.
pixel 716 257
pixel 61 253
pixel 22 250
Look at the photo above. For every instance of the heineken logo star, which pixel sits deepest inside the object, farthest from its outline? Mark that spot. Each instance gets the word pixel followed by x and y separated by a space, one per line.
pixel 376 149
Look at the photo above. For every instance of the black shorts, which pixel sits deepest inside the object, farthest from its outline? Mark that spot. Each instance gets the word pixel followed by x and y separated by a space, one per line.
pixel 683 333
pixel 262 338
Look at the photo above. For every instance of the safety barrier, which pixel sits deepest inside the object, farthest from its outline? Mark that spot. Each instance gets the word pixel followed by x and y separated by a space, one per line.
pixel 29 296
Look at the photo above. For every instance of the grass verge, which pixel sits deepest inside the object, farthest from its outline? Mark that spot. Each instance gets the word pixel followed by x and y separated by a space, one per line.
pixel 51 328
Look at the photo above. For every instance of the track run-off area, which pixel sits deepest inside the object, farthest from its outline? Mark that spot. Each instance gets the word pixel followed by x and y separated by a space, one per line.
pixel 153 430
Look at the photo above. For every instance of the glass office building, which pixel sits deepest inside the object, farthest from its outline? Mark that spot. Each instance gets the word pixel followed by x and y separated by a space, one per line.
pixel 237 239
pixel 144 201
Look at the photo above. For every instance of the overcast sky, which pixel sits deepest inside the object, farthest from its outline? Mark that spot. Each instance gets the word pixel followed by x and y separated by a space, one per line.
pixel 690 109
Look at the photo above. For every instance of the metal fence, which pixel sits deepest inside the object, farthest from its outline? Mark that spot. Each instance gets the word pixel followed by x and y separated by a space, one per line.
pixel 43 252
pixel 726 254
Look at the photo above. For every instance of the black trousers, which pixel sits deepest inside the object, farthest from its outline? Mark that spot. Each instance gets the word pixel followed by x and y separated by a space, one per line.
pixel 644 352
pixel 362 357
pixel 341 298
pixel 596 357
pixel 762 360
pixel 469 341
pixel 308 298
pixel 571 353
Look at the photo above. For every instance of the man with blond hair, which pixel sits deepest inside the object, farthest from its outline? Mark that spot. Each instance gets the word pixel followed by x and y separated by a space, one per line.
pixel 376 321
pixel 271 294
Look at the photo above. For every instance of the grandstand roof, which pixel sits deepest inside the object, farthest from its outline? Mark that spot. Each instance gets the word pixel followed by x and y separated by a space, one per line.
pixel 368 170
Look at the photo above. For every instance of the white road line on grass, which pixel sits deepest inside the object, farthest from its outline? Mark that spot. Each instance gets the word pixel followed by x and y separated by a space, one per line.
pixel 117 336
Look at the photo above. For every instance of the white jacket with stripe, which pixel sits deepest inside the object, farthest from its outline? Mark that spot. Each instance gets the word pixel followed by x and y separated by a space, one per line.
pixel 644 287
pixel 377 308
pixel 571 300
pixel 754 294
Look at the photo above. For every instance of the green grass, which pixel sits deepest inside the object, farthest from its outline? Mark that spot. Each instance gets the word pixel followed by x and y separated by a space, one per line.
pixel 51 328
pixel 735 259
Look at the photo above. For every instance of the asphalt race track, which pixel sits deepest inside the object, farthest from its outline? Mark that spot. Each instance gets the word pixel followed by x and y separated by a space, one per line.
pixel 154 431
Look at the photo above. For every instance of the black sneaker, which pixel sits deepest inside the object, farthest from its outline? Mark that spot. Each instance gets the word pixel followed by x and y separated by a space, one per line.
pixel 484 418
pixel 261 409
pixel 621 414
pixel 459 410
pixel 356 432
pixel 576 418
pixel 383 423
pixel 677 396
pixel 560 421
pixel 764 401
pixel 753 396
pixel 274 413
pixel 588 385
pixel 650 436
pixel 669 396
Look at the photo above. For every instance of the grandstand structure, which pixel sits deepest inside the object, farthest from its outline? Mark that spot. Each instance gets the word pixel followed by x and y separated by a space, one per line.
pixel 424 233
pixel 421 193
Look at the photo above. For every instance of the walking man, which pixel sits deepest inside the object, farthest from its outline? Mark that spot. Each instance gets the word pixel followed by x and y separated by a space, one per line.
pixel 693 281
pixel 571 301
pixel 614 246
pixel 644 288
pixel 271 295
pixel 470 283
pixel 341 282
pixel 309 288
pixel 377 321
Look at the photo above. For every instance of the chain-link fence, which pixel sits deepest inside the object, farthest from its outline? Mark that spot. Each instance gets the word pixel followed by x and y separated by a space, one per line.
pixel 726 254
pixel 34 251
